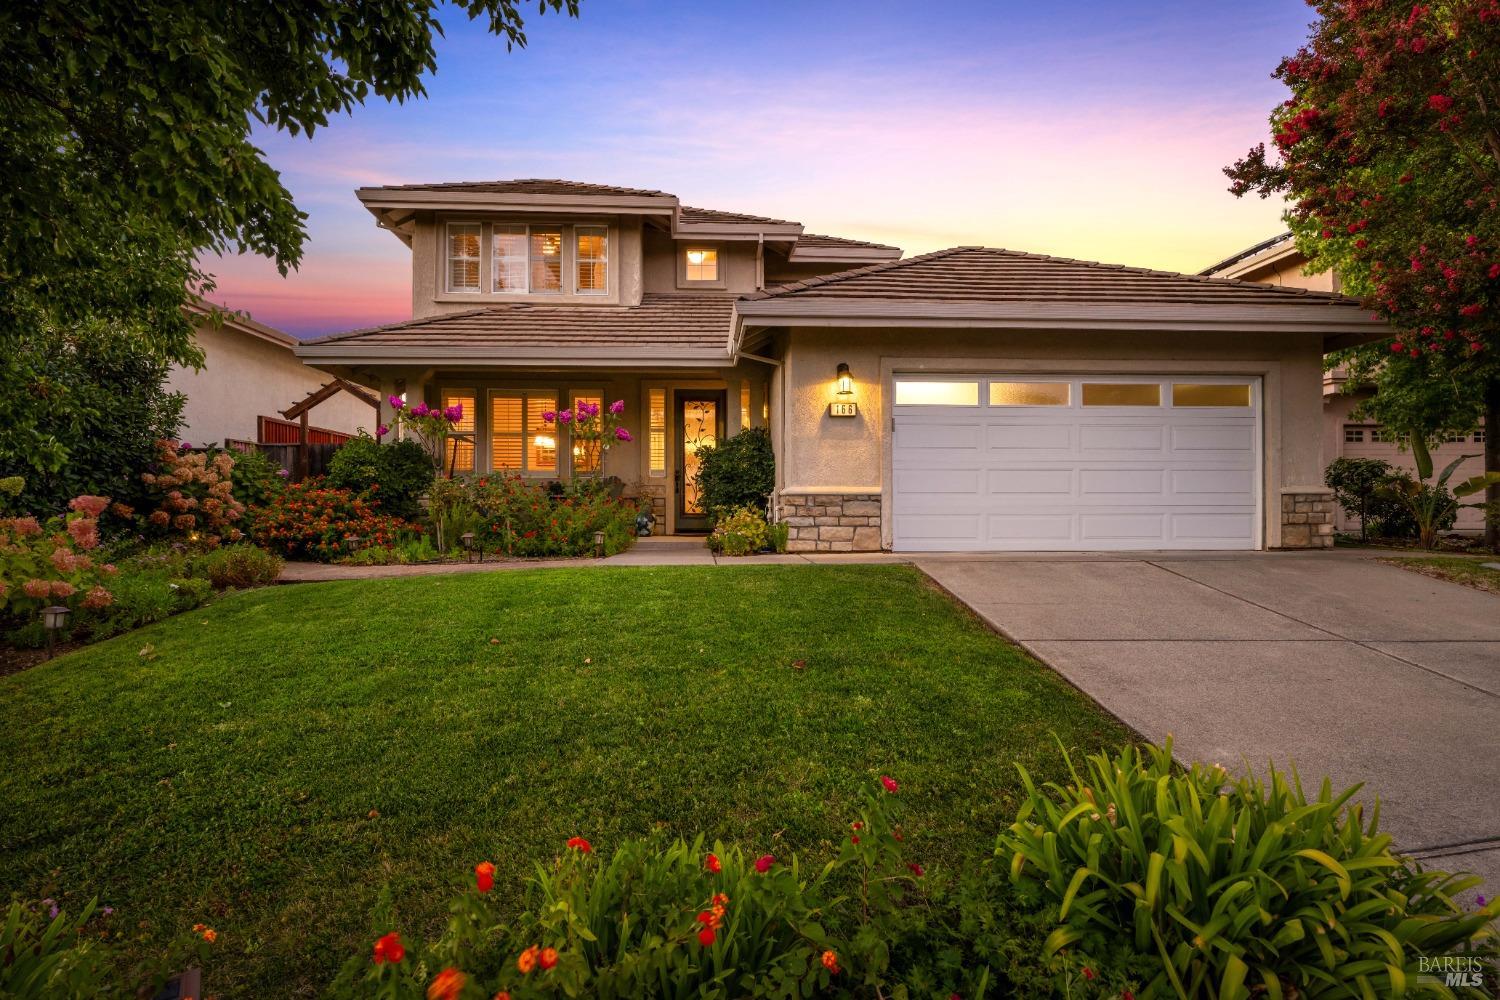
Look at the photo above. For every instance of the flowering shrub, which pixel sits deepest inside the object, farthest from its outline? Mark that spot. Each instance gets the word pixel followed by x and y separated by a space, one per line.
pixel 193 493
pixel 48 953
pixel 311 521
pixel 595 430
pixel 740 531
pixel 55 563
pixel 521 517
pixel 654 919
pixel 431 427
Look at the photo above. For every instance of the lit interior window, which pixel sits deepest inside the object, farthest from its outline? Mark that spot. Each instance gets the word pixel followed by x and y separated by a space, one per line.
pixel 657 433
pixel 508 258
pixel 592 257
pixel 586 453
pixel 702 265
pixel 937 393
pixel 463 257
pixel 460 457
pixel 546 260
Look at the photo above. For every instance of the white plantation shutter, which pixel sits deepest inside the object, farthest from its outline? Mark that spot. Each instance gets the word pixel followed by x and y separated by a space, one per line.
pixel 463 257
pixel 586 455
pixel 657 433
pixel 461 440
pixel 539 456
pixel 508 258
pixel 546 260
pixel 592 243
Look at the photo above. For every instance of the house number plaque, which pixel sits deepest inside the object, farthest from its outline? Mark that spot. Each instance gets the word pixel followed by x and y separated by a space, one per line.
pixel 843 409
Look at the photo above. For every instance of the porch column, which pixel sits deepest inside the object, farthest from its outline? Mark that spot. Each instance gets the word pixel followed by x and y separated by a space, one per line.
pixel 732 418
pixel 757 402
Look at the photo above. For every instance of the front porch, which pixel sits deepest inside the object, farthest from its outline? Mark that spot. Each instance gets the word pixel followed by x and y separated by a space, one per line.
pixel 668 414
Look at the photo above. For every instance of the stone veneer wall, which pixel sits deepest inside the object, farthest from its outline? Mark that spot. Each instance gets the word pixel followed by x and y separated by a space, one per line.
pixel 834 522
pixel 1307 520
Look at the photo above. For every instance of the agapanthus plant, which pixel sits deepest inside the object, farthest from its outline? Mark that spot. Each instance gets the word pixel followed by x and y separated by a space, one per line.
pixel 594 430
pixel 431 426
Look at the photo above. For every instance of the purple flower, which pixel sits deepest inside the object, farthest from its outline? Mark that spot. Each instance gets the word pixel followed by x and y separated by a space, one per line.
pixel 282 473
pixel 454 413
pixel 396 402
pixel 1479 900
pixel 108 911
pixel 380 432
pixel 51 905
pixel 549 416
pixel 184 446
pixel 420 410
pixel 622 434
pixel 564 417
pixel 617 407
pixel 588 410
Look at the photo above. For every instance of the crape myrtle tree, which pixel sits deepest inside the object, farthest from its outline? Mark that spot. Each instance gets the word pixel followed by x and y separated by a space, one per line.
pixel 126 154
pixel 1388 152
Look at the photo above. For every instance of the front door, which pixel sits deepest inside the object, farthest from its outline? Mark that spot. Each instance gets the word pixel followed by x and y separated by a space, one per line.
pixel 698 421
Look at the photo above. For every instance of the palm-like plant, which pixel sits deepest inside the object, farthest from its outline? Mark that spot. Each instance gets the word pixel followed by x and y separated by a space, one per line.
pixel 1429 502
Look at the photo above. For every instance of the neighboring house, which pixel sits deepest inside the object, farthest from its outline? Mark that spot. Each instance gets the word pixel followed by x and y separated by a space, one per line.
pixel 969 399
pixel 249 375
pixel 1277 261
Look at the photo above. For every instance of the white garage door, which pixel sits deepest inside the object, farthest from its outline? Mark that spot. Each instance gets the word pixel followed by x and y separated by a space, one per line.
pixel 991 462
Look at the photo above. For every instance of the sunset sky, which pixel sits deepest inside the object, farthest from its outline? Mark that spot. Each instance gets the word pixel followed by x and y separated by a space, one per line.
pixel 1094 130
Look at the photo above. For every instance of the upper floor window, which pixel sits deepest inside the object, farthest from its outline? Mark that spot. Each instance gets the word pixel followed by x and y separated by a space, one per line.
pixel 546 260
pixel 508 258
pixel 591 246
pixel 702 265
pixel 463 257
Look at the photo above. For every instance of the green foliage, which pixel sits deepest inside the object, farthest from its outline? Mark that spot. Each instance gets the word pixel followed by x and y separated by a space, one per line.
pixel 64 957
pixel 1355 483
pixel 738 472
pixel 1429 504
pixel 1237 886
pixel 255 479
pixel 95 407
pixel 780 533
pixel 740 531
pixel 519 517
pixel 237 567
pixel 393 475
pixel 403 553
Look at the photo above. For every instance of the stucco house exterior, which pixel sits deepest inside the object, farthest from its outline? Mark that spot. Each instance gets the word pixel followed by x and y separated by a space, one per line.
pixel 1277 261
pixel 249 375
pixel 971 399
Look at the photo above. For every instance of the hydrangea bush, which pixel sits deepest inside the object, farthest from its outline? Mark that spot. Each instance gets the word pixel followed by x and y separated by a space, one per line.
pixel 193 495
pixel 54 563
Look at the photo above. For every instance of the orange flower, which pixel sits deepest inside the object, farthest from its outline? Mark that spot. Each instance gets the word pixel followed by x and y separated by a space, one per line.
pixel 503 995
pixel 447 986
pixel 527 961
pixel 547 959
pixel 831 962
pixel 388 948
pixel 712 864
pixel 484 876
pixel 579 844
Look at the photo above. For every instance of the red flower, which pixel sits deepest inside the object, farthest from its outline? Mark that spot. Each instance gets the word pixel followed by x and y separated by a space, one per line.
pixel 1471 310
pixel 388 948
pixel 712 864
pixel 890 784
pixel 916 869
pixel 706 936
pixel 1088 973
pixel 579 844
pixel 854 838
pixel 830 960
pixel 484 876
pixel 547 959
pixel 447 986
pixel 1440 103
pixel 1398 347
pixel 763 863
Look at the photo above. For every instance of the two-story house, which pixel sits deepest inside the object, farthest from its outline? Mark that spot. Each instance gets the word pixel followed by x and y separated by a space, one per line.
pixel 968 399
pixel 1277 261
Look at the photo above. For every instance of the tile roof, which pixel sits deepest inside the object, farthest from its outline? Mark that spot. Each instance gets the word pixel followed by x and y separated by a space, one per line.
pixel 528 185
pixel 1245 254
pixel 982 274
pixel 816 240
pixel 662 322
pixel 687 213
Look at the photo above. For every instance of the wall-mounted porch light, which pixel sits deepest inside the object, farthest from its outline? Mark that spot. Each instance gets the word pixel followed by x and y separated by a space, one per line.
pixel 844 381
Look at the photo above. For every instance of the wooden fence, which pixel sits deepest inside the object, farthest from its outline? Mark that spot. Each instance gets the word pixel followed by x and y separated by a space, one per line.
pixel 285 455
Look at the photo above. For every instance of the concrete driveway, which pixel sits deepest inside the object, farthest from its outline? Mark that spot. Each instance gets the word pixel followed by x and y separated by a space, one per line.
pixel 1342 665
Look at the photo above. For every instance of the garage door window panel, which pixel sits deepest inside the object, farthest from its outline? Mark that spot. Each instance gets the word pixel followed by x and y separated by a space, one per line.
pixel 914 393
pixel 1210 394
pixel 1121 394
pixel 1030 393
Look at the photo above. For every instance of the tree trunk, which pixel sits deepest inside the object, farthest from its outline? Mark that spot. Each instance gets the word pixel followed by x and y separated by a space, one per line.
pixel 1492 463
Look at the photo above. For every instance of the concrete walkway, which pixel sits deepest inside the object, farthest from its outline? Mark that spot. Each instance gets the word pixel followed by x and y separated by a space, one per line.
pixel 1347 667
pixel 671 550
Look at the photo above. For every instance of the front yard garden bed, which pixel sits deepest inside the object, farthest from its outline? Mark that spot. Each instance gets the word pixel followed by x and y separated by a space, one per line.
pixel 267 773
pixel 1470 571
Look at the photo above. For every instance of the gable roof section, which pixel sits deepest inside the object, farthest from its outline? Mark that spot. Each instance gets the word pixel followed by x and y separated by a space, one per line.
pixel 665 329
pixel 689 214
pixel 1245 254
pixel 815 247
pixel 980 286
pixel 528 185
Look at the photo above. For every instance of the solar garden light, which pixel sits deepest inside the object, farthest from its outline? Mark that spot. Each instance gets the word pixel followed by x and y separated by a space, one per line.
pixel 598 545
pixel 467 541
pixel 54 619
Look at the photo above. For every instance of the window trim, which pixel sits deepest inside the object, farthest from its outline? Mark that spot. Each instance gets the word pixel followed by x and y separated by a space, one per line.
pixel 448 258
pixel 524 393
pixel 720 279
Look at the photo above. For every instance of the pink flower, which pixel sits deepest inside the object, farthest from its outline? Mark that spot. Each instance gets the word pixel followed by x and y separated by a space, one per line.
pixel 62 588
pixel 549 415
pixel 396 402
pixel 622 434
pixel 98 597
pixel 1471 310
pixel 763 863
pixel 564 416
pixel 421 410
pixel 381 432
pixel 90 505
pixel 25 527
pixel 617 407
pixel 890 784
pixel 36 588
pixel 84 531
pixel 454 413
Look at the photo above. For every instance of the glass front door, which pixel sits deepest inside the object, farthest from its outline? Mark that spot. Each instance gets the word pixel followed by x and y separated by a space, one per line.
pixel 700 422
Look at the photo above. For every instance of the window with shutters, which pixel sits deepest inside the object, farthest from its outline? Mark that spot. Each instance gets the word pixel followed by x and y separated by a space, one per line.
pixel 585 454
pixel 546 260
pixel 463 257
pixel 656 433
pixel 591 256
pixel 520 439
pixel 744 405
pixel 508 258
pixel 460 456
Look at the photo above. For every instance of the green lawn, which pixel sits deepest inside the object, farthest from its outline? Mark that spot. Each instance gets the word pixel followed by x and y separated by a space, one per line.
pixel 1467 570
pixel 285 752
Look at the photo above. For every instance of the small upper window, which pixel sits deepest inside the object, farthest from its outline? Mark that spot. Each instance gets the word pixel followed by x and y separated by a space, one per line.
pixel 592 246
pixel 508 258
pixel 1121 394
pixel 937 393
pixel 702 265
pixel 1354 435
pixel 463 257
pixel 1029 393
pixel 546 260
